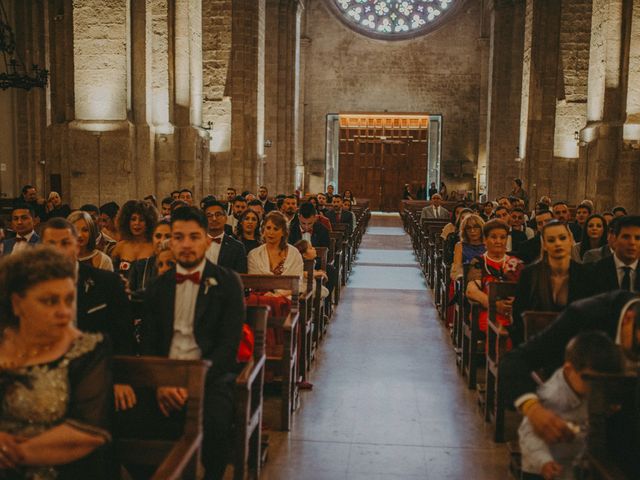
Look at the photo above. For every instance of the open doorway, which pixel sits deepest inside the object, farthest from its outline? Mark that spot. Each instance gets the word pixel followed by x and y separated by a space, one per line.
pixel 375 155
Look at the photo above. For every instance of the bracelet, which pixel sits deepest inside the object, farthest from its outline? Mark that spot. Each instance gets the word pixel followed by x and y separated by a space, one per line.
pixel 526 406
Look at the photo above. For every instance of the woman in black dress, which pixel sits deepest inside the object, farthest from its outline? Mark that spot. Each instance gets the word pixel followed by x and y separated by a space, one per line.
pixel 248 230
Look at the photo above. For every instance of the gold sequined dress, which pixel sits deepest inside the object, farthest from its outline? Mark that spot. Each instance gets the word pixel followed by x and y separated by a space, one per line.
pixel 75 389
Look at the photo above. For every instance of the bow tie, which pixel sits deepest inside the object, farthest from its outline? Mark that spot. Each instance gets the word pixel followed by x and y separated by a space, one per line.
pixel 194 277
pixel 217 240
pixel 20 239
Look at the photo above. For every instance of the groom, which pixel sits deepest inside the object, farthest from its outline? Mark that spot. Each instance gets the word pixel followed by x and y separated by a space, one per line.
pixel 196 311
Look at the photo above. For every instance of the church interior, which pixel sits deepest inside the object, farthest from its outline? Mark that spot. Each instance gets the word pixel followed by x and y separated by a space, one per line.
pixel 320 239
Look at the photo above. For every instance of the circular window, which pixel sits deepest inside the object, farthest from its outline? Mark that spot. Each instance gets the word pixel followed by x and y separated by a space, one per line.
pixel 393 19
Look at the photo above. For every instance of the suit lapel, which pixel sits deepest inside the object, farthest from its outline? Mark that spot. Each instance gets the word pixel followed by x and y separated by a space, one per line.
pixel 223 250
pixel 611 272
pixel 203 296
pixel 167 299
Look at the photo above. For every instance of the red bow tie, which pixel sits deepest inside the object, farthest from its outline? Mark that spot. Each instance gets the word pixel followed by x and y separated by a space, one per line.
pixel 194 277
pixel 20 239
pixel 218 240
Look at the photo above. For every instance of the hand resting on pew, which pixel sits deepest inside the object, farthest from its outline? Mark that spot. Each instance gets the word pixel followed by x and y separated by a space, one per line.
pixel 171 399
pixel 124 397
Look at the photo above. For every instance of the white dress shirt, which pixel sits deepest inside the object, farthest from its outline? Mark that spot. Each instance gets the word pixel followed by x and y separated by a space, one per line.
pixel 620 271
pixel 233 221
pixel 183 343
pixel 213 252
pixel 19 246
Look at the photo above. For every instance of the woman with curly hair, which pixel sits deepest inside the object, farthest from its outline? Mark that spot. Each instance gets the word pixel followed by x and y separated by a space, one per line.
pixel 136 222
pixel 248 230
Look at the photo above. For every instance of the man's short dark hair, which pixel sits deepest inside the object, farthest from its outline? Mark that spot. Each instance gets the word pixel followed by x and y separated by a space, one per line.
pixel 185 190
pixel 263 186
pixel 245 193
pixel 178 204
pixel 585 205
pixel 594 351
pixel 189 214
pixel 619 208
pixel 500 207
pixel 239 198
pixel 175 192
pixel 518 209
pixel 166 201
pixel 624 222
pixel 90 208
pixel 214 203
pixel 110 209
pixel 231 188
pixel 25 188
pixel 292 196
pixel 307 210
pixel 255 202
pixel 279 202
pixel 541 206
pixel 23 206
pixel 518 182
pixel 561 202
pixel 59 223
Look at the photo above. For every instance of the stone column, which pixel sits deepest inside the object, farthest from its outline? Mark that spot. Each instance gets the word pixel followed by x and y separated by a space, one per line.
pixel 632 124
pixel 503 108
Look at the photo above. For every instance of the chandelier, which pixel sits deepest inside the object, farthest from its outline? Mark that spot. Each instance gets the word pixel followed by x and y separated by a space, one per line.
pixel 15 73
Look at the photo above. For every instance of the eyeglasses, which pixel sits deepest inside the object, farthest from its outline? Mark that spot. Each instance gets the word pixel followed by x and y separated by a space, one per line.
pixel 472 227
pixel 216 215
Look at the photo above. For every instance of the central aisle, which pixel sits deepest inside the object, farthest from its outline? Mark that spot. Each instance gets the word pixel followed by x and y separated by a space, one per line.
pixel 387 401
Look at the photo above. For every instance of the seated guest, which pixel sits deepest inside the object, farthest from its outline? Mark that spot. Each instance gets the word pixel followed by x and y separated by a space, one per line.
pixel 238 207
pixel 275 256
pixel 597 254
pixel 231 194
pixel 471 244
pixel 454 224
pixel 165 207
pixel 406 193
pixel 186 196
pixel 308 252
pixel 540 207
pixel 529 251
pixel 143 271
pixel 307 227
pixel 435 210
pixel 337 215
pixel 175 194
pixel 492 266
pixel 505 202
pixel 102 304
pixel 620 270
pixel 177 204
pixel 487 211
pixel 108 229
pixel 615 313
pixel 224 250
pixel 56 379
pixel 608 216
pixel 516 237
pixel 594 236
pixel 551 283
pixel 564 394
pixel 582 213
pixel 263 197
pixel 195 311
pixel 256 206
pixel 55 208
pixel 346 207
pixel 30 197
pixel 321 218
pixel 562 213
pixel 289 208
pixel 92 210
pixel 22 224
pixel 619 211
pixel 136 222
pixel 518 222
pixel 322 204
pixel 165 260
pixel 348 195
pixel 87 235
pixel 248 230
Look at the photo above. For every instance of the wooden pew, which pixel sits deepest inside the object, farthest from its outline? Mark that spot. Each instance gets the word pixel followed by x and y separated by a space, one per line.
pixel 249 394
pixel 472 345
pixel 307 346
pixel 432 230
pixel 319 315
pixel 613 435
pixel 346 251
pixel 535 322
pixel 339 261
pixel 174 459
pixel 497 338
pixel 287 363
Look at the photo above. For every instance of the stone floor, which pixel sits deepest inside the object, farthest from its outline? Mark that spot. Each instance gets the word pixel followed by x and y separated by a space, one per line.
pixel 387 400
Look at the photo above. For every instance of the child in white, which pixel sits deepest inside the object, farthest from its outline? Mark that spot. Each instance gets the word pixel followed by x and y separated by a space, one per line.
pixel 564 394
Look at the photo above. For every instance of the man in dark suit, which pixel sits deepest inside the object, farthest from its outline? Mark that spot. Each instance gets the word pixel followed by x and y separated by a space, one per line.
pixel 231 194
pixel 263 196
pixel 615 313
pixel 22 222
pixel 620 270
pixel 515 237
pixel 224 250
pixel 562 213
pixel 338 215
pixel 196 311
pixel 529 251
pixel 306 227
pixel 29 196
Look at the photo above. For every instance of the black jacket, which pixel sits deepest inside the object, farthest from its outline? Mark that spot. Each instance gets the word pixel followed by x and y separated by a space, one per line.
pixel 232 255
pixel 269 206
pixel 528 295
pixel 319 236
pixel 529 251
pixel 345 217
pixel 517 239
pixel 103 307
pixel 219 316
pixel 546 350
pixel 605 278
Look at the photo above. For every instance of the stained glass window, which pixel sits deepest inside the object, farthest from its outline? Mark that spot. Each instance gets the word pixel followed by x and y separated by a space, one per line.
pixel 392 18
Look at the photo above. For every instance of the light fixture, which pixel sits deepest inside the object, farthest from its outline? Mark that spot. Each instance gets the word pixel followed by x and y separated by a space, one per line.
pixel 15 74
pixel 268 144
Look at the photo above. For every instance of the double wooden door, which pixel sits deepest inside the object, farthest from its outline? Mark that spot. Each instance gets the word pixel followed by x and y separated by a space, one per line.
pixel 376 163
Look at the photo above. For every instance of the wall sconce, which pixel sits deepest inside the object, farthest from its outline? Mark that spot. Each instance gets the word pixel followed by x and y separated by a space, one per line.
pixel 209 126
pixel 268 144
pixel 576 136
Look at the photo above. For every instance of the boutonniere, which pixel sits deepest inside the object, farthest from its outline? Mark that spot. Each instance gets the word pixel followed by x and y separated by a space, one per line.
pixel 88 284
pixel 208 283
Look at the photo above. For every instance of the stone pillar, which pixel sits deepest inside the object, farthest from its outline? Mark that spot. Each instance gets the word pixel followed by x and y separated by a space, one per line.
pixel 503 108
pixel 539 94
pixel 484 45
pixel 247 90
pixel 632 124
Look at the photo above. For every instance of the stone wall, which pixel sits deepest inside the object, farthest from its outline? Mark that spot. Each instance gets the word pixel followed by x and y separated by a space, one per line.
pixel 437 74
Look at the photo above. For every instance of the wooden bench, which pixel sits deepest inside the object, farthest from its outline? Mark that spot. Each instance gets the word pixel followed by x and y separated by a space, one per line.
pixel 319 312
pixel 287 362
pixel 535 322
pixel 338 262
pixel 174 459
pixel 307 345
pixel 497 338
pixel 248 398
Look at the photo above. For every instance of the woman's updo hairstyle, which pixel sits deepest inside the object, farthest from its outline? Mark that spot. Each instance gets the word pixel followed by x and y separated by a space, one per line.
pixel 280 222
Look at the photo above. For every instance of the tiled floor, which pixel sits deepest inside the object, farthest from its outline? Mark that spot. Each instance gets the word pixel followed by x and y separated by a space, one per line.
pixel 387 400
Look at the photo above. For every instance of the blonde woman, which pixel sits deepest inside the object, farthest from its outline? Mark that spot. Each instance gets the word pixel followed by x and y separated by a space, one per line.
pixel 87 236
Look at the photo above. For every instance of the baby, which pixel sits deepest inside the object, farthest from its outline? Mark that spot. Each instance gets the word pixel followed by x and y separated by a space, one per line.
pixel 564 394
